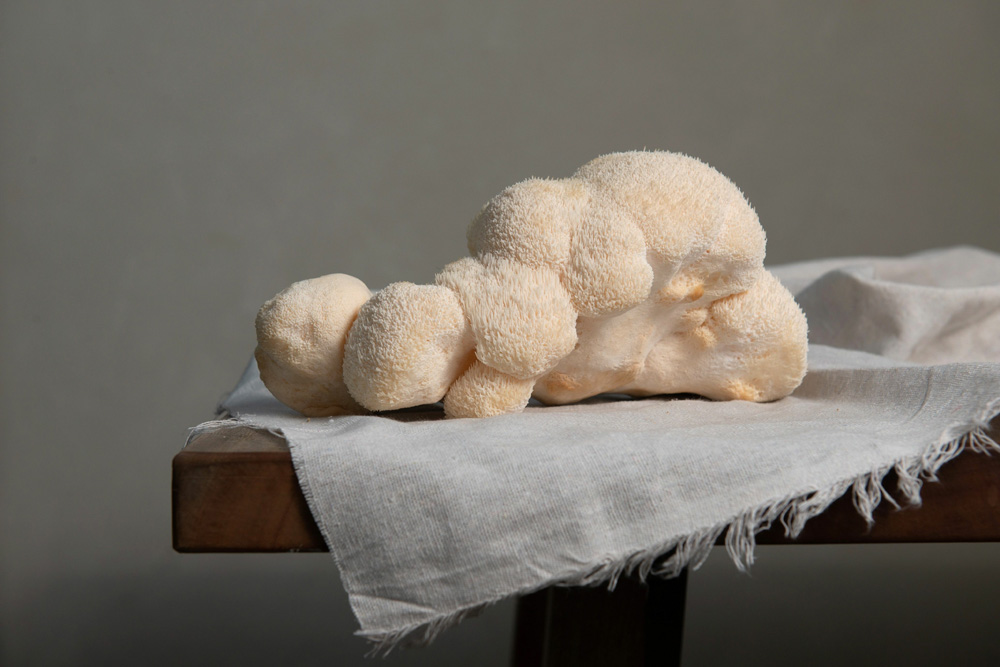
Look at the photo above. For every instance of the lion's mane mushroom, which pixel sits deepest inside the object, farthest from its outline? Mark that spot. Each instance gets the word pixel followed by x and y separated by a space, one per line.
pixel 641 274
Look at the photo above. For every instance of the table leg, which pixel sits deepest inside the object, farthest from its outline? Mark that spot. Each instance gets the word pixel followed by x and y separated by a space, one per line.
pixel 636 624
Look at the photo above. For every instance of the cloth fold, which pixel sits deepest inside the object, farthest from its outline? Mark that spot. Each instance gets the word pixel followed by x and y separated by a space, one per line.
pixel 430 519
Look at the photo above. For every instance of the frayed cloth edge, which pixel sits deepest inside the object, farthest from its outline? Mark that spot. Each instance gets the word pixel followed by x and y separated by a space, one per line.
pixel 669 558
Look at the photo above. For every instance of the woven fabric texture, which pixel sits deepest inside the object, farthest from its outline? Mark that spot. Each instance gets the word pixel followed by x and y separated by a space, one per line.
pixel 430 519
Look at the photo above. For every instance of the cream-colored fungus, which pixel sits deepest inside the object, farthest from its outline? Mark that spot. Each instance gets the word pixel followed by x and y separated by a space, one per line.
pixel 641 274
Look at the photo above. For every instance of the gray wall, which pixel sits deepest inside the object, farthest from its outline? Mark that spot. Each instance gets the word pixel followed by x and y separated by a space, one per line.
pixel 166 167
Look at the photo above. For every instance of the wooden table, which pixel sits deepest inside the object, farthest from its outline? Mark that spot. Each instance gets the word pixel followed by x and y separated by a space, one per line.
pixel 234 490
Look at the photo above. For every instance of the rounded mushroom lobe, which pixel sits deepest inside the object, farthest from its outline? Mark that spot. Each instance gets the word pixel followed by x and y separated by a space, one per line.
pixel 301 334
pixel 684 208
pixel 530 222
pixel 522 318
pixel 409 343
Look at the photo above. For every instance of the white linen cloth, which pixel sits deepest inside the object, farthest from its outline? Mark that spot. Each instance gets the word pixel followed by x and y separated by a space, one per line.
pixel 429 519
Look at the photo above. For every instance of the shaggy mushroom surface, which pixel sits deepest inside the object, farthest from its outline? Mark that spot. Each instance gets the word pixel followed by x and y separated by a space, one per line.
pixel 642 274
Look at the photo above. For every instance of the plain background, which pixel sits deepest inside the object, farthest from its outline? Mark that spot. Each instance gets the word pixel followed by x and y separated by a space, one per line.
pixel 165 167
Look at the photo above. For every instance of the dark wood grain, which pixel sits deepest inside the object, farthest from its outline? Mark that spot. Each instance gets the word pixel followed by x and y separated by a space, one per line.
pixel 234 489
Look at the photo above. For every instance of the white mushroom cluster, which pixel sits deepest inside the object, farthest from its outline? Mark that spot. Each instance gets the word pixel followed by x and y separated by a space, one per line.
pixel 641 274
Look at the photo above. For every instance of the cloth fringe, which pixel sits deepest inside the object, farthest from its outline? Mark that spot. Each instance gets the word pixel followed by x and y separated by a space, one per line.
pixel 669 558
